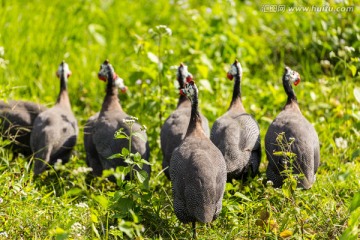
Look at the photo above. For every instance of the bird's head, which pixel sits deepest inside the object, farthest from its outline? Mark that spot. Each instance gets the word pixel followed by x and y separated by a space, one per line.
pixel 235 70
pixel 63 70
pixel 291 76
pixel 107 73
pixel 190 90
pixel 183 76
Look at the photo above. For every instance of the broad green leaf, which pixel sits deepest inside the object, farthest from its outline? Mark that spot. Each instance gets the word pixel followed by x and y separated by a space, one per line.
pixel 242 196
pixel 123 205
pixel 116 155
pixel 125 151
pixel 145 162
pixel 96 31
pixel 357 94
pixel 94 218
pixel 134 216
pixel 129 161
pixel 103 201
pixel 353 70
pixel 352 231
pixel 286 234
pixel 137 157
pixel 153 57
pixel 120 136
pixel 59 233
pixel 205 84
pixel 355 202
pixel 286 191
pixel 126 228
pixel 73 192
pixel 355 154
pixel 141 175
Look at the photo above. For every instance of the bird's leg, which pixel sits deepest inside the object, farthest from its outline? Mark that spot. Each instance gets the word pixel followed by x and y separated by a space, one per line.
pixel 194 229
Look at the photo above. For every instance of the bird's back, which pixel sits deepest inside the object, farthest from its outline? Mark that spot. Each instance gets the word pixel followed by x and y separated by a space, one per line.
pixel 17 122
pixel 305 146
pixel 55 127
pixel 198 174
pixel 103 137
pixel 237 136
pixel 173 132
pixel 92 158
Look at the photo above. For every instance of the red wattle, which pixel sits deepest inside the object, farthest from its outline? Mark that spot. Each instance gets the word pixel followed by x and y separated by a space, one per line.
pixel 124 89
pixel 189 78
pixel 297 82
pixel 101 77
pixel 230 76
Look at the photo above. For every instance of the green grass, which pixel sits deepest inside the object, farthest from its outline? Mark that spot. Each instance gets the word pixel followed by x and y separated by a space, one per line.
pixel 37 35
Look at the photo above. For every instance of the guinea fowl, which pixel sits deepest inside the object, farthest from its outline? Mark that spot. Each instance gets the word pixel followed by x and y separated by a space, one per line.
pixel 298 136
pixel 174 129
pixel 197 171
pixel 92 160
pixel 99 140
pixel 17 118
pixel 237 134
pixel 55 130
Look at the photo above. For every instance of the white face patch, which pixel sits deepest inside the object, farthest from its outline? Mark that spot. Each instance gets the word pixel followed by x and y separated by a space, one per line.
pixel 233 70
pixel 190 91
pixel 119 83
pixel 63 67
pixel 104 70
pixel 183 70
pixel 292 75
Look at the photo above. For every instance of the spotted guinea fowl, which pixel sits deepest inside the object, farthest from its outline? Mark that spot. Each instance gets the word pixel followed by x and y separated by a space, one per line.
pixel 297 132
pixel 17 118
pixel 197 171
pixel 100 143
pixel 237 134
pixel 174 129
pixel 55 130
pixel 92 158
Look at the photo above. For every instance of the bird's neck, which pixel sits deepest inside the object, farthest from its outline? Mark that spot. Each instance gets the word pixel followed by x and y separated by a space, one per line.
pixel 236 102
pixel 289 92
pixel 195 124
pixel 183 102
pixel 111 100
pixel 292 106
pixel 63 97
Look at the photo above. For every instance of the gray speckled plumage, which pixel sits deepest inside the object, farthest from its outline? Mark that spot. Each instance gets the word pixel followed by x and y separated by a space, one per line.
pixel 293 124
pixel 237 135
pixel 55 130
pixel 100 129
pixel 198 172
pixel 17 118
pixel 92 158
pixel 175 126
